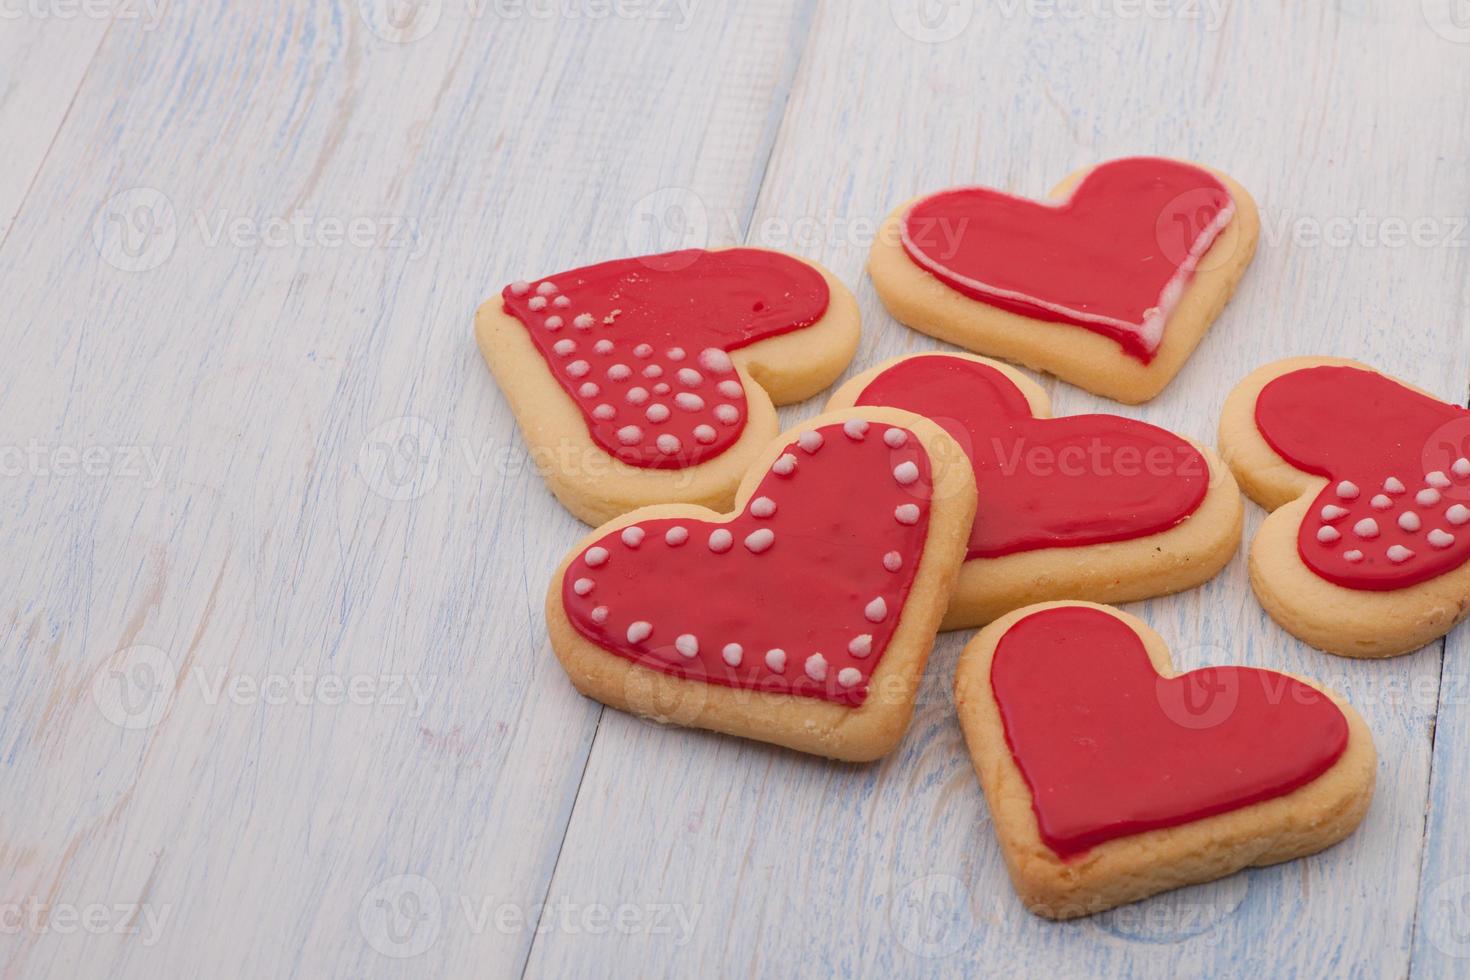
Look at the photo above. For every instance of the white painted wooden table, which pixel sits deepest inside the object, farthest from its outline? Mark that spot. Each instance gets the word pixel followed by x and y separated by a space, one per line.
pixel 277 695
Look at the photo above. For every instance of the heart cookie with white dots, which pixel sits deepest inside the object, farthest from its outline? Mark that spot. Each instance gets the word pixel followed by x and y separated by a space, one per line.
pixel 1366 554
pixel 652 379
pixel 1111 778
pixel 803 618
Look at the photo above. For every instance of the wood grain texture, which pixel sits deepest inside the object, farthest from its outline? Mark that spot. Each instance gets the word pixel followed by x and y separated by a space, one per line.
pixel 341 492
pixel 893 869
pixel 243 443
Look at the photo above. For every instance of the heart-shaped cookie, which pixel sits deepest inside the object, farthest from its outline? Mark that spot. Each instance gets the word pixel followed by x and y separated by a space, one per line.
pixel 1090 506
pixel 1110 779
pixel 1109 285
pixel 1370 479
pixel 652 379
pixel 805 617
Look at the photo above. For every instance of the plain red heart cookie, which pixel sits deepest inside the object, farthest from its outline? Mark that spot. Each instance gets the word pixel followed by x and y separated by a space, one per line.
pixel 1110 779
pixel 802 618
pixel 1096 507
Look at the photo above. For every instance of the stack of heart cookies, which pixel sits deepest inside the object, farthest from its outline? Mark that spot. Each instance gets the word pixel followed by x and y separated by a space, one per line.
pixel 789 587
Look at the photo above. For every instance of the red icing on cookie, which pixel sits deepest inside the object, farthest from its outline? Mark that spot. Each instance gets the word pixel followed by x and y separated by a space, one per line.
pixel 1114 257
pixel 818 565
pixel 1393 513
pixel 1109 748
pixel 1047 483
pixel 640 344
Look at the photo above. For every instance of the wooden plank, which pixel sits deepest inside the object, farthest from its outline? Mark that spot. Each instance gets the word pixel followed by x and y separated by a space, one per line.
pixel 302 217
pixel 42 61
pixel 787 864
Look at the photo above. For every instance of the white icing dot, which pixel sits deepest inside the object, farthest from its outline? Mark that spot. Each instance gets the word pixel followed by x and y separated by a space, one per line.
pixel 784 466
pixel 1353 556
pixel 582 586
pixel 1398 554
pixel 763 507
pixel 619 372
pixel 761 540
pixel 816 667
pixel 630 435
pixel 537 303
pixel 595 556
pixel 578 369
pixel 704 434
pixel 687 645
pixel 604 412
pixel 1347 490
pixel 589 390
pixel 675 353
pixel 905 473
pixel 584 321
pixel 1409 521
pixel 1381 502
pixel 643 350
pixel 715 361
pixel 906 513
pixel 658 413
pixel 689 401
pixel 893 561
pixel 639 631
pixel 1366 528
pixel 561 302
pixel 547 288
pixel 895 438
pixel 637 395
pixel 1427 497
pixel 599 615
pixel 876 611
pixel 632 536
pixel 603 346
pixel 520 287
pixel 1394 485
pixel 1461 467
pixel 653 371
pixel 1458 514
pixel 861 646
pixel 676 536
pixel 855 428
pixel 811 440
pixel 730 389
pixel 1332 512
pixel 720 541
pixel 661 388
pixel 564 347
pixel 776 660
pixel 690 378
pixel 1440 538
pixel 733 654
pixel 727 414
pixel 849 676
pixel 554 323
pixel 1327 535
pixel 1437 479
pixel 668 444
